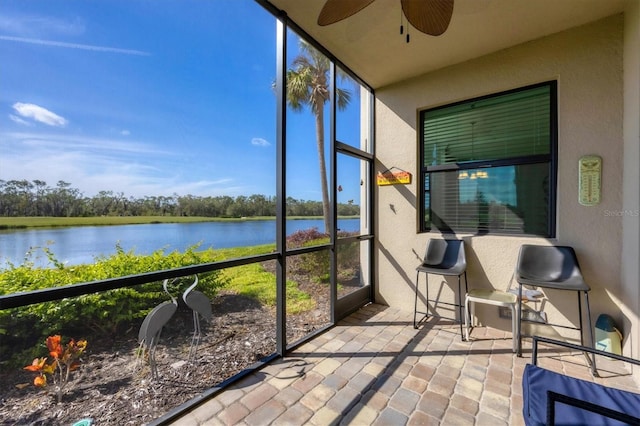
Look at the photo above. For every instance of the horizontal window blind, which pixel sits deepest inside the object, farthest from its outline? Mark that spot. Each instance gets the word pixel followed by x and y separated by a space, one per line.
pixel 511 200
pixel 505 126
pixel 488 164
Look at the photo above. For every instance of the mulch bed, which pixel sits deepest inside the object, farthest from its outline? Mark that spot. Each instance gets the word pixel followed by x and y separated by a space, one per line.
pixel 113 387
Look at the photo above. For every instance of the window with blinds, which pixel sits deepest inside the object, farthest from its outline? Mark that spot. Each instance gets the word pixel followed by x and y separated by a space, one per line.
pixel 488 164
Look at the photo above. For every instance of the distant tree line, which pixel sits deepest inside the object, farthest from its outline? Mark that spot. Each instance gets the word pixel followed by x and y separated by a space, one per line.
pixel 36 198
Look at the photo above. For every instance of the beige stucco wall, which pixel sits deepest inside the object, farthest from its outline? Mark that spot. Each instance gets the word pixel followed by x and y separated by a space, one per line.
pixel 587 62
pixel 631 179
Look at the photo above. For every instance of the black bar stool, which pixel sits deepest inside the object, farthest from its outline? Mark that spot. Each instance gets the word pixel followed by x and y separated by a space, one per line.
pixel 553 267
pixel 442 257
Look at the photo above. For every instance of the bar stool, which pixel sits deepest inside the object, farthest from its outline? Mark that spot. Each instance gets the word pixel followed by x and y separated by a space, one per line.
pixel 447 258
pixel 495 298
pixel 552 267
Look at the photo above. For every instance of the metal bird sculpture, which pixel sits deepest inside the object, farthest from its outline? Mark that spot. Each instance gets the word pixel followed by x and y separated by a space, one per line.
pixel 200 305
pixel 151 327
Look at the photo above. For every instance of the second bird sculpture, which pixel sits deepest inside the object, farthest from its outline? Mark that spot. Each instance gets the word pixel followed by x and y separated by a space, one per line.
pixel 201 306
pixel 151 327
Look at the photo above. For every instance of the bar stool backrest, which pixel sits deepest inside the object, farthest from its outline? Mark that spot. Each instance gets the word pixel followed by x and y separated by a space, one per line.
pixel 447 255
pixel 547 263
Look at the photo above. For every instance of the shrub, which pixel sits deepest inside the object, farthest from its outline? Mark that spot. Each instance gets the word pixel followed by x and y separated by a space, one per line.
pixel 104 313
pixel 304 237
pixel 317 264
pixel 65 360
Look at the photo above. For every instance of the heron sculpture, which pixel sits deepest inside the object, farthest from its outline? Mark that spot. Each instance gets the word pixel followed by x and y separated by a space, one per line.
pixel 200 305
pixel 151 327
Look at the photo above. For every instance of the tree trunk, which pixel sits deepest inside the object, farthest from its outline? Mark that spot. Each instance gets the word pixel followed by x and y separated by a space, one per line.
pixel 323 167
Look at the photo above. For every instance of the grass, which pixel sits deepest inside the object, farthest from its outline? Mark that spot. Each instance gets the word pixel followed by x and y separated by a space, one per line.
pixel 53 222
pixel 253 281
pixel 247 280
pixel 236 252
pixel 22 222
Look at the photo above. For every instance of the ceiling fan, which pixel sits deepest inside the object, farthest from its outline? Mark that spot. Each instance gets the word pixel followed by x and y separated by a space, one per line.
pixel 428 16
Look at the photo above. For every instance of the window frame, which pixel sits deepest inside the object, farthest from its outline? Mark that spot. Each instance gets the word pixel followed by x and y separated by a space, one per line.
pixel 551 159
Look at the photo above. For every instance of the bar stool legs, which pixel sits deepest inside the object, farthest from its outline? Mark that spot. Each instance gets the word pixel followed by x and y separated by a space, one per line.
pixel 459 305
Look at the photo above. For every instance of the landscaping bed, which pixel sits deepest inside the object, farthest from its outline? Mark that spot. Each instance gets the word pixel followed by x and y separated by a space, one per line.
pixel 113 387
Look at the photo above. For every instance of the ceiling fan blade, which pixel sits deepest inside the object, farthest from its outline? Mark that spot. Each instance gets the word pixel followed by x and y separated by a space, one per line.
pixel 429 16
pixel 337 10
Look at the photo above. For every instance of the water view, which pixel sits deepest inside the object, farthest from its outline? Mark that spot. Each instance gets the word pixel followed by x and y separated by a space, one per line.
pixel 76 245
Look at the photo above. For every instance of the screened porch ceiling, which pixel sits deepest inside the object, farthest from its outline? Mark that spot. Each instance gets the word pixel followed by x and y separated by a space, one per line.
pixel 370 43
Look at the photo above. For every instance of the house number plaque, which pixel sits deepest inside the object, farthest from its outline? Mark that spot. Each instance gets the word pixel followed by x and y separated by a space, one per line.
pixel 590 173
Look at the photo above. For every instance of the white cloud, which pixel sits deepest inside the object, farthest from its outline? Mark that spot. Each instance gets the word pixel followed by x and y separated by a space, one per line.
pixel 35 24
pixel 79 46
pixel 39 114
pixel 259 142
pixel 94 164
pixel 19 120
pixel 73 143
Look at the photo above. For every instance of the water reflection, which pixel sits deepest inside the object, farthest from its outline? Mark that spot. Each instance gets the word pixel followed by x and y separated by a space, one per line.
pixel 78 245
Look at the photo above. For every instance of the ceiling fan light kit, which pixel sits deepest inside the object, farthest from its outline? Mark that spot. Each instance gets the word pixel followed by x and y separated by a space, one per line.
pixel 431 17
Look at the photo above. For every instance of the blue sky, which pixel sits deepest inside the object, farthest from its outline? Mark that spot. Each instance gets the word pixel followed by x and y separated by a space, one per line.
pixel 147 98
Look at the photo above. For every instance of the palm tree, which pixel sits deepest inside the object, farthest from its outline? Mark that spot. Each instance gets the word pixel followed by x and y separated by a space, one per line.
pixel 308 85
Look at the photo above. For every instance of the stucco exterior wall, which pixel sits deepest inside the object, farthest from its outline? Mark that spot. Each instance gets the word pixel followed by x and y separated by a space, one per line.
pixel 587 62
pixel 631 179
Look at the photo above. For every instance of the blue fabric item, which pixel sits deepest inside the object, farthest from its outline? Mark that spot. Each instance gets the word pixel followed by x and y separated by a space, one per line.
pixel 606 323
pixel 536 381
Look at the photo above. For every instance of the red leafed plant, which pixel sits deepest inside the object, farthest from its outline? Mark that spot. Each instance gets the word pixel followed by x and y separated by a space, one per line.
pixel 65 360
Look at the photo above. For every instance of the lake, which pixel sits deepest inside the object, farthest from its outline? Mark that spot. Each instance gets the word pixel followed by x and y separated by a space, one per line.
pixel 76 245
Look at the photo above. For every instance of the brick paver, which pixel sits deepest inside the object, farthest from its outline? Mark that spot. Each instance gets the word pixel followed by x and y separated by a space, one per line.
pixel 374 368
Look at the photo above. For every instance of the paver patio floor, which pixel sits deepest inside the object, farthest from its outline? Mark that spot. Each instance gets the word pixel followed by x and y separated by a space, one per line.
pixel 374 368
